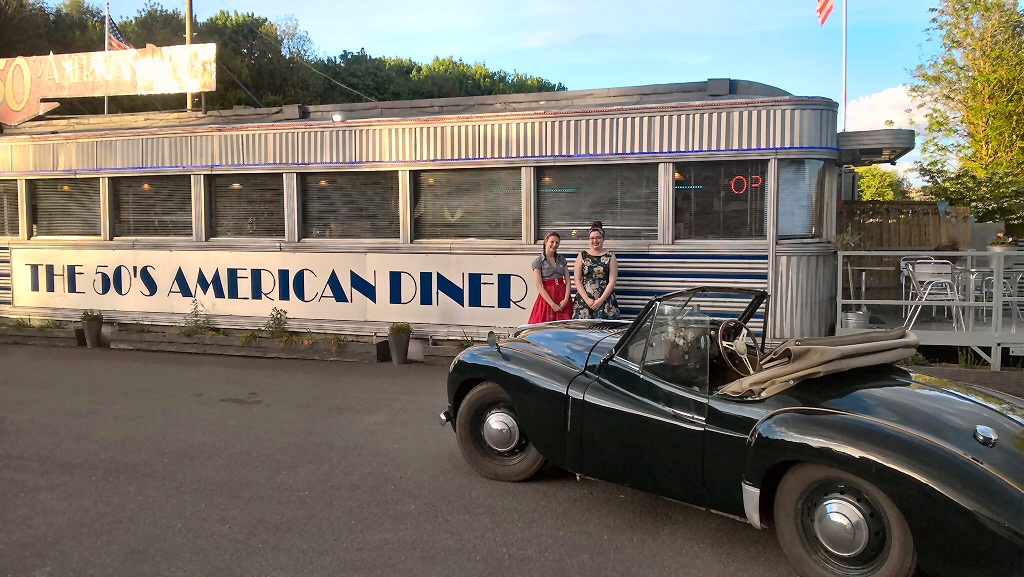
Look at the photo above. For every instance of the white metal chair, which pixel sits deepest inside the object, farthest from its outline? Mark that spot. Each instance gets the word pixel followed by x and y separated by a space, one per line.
pixel 907 287
pixel 935 282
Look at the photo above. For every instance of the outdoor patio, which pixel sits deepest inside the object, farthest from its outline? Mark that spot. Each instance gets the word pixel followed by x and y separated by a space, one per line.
pixel 959 298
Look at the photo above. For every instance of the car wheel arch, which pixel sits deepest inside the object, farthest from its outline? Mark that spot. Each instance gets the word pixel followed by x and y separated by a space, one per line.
pixel 785 440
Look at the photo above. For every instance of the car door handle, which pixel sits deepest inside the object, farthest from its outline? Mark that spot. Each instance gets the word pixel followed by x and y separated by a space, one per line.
pixel 684 414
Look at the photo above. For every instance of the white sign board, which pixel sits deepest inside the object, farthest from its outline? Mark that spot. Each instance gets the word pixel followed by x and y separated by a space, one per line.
pixel 481 290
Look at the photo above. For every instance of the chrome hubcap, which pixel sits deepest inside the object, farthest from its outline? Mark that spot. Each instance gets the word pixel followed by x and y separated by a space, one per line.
pixel 501 432
pixel 841 527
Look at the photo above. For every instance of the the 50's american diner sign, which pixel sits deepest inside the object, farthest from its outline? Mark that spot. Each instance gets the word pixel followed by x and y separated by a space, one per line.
pixel 25 81
pixel 482 290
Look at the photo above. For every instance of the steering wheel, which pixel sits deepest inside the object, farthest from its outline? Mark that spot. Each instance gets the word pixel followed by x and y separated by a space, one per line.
pixel 740 347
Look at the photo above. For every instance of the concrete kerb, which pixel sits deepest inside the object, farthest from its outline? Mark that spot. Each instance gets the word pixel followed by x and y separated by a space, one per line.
pixel 169 341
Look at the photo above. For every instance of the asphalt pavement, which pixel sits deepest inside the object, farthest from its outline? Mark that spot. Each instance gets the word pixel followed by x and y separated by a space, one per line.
pixel 127 463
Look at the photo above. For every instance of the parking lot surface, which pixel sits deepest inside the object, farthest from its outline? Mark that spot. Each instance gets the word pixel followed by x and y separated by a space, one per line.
pixel 119 463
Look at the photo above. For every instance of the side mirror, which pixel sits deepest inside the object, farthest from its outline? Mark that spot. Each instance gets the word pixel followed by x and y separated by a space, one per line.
pixel 492 339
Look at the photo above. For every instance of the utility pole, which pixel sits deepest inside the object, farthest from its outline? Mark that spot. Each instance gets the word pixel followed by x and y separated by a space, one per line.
pixel 188 40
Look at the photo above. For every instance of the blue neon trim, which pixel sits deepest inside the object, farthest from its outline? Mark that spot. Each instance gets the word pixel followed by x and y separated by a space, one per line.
pixel 727 276
pixel 427 161
pixel 642 256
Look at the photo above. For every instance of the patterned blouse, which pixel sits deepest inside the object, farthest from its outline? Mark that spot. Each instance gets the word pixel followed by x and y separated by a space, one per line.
pixel 595 277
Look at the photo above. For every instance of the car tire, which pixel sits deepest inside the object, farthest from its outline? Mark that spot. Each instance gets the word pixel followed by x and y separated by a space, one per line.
pixel 830 523
pixel 491 439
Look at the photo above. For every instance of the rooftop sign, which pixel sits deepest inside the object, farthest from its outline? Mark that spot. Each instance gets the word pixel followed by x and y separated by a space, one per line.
pixel 25 81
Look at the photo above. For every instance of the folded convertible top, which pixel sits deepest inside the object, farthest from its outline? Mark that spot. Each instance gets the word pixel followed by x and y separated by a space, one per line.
pixel 799 359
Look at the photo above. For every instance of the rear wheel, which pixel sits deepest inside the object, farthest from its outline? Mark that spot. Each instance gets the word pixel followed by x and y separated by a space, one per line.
pixel 833 523
pixel 491 439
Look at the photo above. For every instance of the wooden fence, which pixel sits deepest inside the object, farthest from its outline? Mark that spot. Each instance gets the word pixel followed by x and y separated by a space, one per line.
pixel 905 224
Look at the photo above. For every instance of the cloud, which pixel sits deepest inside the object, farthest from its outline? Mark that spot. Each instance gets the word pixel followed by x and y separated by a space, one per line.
pixel 872 111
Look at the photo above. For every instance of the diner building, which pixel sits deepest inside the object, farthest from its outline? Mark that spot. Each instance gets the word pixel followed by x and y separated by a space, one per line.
pixel 353 216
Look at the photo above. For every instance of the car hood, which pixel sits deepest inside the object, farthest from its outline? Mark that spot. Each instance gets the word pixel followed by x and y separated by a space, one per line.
pixel 573 341
pixel 933 408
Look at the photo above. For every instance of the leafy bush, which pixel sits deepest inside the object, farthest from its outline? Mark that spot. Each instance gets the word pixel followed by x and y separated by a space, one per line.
pixel 197 322
pixel 91 315
pixel 399 328
pixel 276 326
pixel 51 324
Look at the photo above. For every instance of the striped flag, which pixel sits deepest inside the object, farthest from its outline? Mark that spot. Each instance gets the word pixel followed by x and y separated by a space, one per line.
pixel 824 9
pixel 115 40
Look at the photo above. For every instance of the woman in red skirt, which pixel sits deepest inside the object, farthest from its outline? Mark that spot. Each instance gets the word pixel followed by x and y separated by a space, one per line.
pixel 551 277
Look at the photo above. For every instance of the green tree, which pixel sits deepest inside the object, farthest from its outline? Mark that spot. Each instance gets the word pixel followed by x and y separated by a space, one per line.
pixel 972 90
pixel 77 27
pixel 877 183
pixel 26 28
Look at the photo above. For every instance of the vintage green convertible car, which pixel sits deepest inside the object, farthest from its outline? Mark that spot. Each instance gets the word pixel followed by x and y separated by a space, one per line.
pixel 863 468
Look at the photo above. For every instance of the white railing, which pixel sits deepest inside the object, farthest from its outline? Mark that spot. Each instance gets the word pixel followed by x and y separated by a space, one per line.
pixel 960 298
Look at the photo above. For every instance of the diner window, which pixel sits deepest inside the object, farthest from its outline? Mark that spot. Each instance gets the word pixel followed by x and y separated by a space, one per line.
pixel 721 199
pixel 247 205
pixel 65 207
pixel 152 205
pixel 801 187
pixel 9 208
pixel 624 197
pixel 349 204
pixel 485 203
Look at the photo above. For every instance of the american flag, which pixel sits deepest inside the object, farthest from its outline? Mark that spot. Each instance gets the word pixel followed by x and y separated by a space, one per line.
pixel 824 9
pixel 115 40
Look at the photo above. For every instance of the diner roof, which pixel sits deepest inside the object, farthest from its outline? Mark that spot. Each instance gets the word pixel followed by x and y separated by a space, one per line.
pixel 865 147
pixel 713 89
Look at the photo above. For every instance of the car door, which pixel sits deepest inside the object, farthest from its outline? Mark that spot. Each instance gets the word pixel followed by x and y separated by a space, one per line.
pixel 643 417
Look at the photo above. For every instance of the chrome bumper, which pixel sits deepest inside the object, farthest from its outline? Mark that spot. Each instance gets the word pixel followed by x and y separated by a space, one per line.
pixel 752 504
pixel 444 418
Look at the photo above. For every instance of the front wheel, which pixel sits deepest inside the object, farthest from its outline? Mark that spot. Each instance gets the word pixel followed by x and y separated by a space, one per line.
pixel 491 439
pixel 830 523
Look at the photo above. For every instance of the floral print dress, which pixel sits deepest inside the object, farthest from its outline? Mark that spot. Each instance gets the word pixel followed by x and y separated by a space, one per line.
pixel 596 272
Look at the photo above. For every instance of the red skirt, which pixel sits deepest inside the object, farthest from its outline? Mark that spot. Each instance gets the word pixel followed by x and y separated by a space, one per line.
pixel 542 311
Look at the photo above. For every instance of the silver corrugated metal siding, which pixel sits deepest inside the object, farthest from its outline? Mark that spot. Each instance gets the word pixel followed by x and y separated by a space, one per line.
pixel 805 283
pixel 663 131
pixel 5 276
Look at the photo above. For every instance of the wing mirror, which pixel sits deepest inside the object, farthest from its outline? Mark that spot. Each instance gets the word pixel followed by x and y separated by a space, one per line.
pixel 492 339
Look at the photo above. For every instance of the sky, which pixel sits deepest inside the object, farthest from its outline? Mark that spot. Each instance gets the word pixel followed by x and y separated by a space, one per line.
pixel 588 44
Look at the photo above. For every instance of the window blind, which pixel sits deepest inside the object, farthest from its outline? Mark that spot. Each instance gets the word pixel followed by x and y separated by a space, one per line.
pixel 349 204
pixel 247 205
pixel 801 185
pixel 152 205
pixel 65 207
pixel 624 197
pixel 483 203
pixel 9 208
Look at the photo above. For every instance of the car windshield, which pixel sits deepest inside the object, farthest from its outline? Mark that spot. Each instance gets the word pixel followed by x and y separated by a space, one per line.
pixel 674 340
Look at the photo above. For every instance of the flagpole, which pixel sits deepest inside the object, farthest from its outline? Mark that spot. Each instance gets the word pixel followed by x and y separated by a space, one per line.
pixel 844 65
pixel 188 40
pixel 106 48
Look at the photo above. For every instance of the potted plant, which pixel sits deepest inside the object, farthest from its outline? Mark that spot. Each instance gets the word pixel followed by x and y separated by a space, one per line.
pixel 398 342
pixel 92 326
pixel 1003 242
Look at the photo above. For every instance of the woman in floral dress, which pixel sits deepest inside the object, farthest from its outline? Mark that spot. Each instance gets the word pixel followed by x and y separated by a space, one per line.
pixel 595 273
